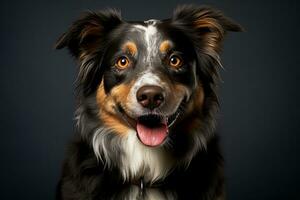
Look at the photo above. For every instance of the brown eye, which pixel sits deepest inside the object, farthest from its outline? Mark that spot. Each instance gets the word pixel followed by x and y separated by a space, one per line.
pixel 175 61
pixel 122 63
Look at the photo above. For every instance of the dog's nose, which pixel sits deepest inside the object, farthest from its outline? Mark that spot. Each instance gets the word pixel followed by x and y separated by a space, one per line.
pixel 150 96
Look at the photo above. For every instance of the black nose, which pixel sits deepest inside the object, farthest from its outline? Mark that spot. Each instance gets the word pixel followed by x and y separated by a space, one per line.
pixel 150 96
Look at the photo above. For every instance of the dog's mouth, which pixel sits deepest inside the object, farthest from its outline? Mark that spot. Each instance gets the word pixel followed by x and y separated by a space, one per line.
pixel 152 129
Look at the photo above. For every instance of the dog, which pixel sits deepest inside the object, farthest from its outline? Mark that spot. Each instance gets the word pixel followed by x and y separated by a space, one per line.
pixel 147 103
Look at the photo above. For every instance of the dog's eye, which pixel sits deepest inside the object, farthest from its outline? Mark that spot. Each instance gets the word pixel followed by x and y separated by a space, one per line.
pixel 122 63
pixel 175 61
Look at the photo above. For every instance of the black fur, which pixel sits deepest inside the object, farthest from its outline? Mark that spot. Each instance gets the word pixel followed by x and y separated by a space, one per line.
pixel 84 177
pixel 94 40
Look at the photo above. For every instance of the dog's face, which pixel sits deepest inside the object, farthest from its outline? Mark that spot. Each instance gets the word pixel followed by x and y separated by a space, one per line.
pixel 149 72
pixel 149 76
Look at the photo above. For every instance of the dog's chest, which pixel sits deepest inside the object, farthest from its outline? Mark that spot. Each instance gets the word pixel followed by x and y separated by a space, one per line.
pixel 140 161
pixel 134 192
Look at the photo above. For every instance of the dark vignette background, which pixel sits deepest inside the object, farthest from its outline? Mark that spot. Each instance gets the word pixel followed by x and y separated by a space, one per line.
pixel 259 122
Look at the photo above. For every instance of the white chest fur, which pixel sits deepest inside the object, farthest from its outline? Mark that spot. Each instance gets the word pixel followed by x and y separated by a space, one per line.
pixel 152 163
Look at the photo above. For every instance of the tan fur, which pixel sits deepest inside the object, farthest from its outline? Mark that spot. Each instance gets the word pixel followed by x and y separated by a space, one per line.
pixel 107 105
pixel 165 46
pixel 190 122
pixel 130 47
pixel 197 99
pixel 212 34
pixel 92 29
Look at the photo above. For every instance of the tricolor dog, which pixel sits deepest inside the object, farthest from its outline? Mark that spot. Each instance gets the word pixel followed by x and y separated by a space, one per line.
pixel 146 106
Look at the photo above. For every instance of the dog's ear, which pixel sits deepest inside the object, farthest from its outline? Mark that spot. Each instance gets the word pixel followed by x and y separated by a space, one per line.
pixel 206 28
pixel 88 32
pixel 87 40
pixel 206 25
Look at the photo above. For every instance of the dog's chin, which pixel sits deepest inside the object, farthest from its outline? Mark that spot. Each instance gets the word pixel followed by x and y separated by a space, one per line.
pixel 152 129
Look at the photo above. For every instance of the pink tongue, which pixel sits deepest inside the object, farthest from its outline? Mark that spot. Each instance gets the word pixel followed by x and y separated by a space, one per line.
pixel 152 136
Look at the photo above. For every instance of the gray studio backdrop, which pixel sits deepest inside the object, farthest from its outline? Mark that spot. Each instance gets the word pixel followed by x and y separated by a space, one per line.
pixel 258 122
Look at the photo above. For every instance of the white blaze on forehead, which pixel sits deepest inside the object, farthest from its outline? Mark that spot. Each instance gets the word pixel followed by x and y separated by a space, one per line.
pixel 151 37
pixel 149 31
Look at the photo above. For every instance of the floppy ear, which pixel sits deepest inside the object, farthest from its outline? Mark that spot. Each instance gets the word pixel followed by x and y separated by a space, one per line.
pixel 207 25
pixel 87 40
pixel 88 31
pixel 206 28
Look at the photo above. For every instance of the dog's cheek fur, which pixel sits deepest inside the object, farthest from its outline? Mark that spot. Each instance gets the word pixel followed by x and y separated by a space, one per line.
pixel 195 105
pixel 194 128
pixel 108 105
pixel 178 93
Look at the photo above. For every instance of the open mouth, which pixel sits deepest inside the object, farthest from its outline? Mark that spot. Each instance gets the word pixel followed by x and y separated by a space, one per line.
pixel 152 129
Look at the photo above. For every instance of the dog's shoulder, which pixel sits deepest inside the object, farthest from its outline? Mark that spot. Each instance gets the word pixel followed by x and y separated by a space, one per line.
pixel 84 176
pixel 204 177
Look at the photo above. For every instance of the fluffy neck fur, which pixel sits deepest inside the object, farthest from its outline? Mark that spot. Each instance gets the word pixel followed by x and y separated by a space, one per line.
pixel 133 159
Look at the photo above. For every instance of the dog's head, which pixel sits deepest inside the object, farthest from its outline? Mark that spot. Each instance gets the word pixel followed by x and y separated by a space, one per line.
pixel 155 77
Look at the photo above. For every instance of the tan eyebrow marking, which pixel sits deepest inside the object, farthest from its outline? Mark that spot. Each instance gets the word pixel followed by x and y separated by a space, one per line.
pixel 165 46
pixel 130 47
